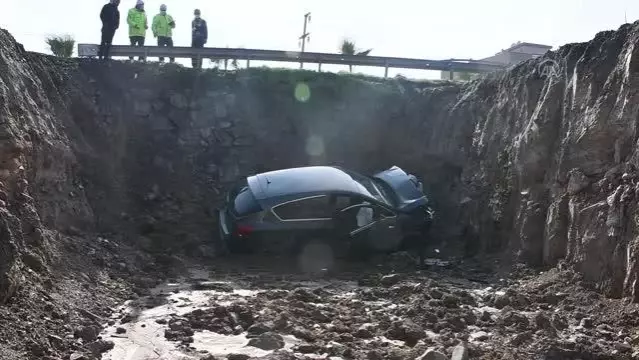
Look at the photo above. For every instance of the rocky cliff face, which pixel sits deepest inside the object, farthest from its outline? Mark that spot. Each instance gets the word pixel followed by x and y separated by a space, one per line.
pixel 538 162
pixel 550 172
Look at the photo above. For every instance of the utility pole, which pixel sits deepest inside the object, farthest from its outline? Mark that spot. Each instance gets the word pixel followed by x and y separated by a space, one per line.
pixel 305 35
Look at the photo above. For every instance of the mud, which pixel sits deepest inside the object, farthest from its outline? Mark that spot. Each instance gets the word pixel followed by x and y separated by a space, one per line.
pixel 372 311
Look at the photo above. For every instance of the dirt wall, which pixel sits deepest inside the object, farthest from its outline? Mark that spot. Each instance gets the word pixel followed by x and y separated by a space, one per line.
pixel 535 164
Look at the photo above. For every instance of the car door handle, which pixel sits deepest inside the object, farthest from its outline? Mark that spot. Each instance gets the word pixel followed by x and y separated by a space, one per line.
pixel 391 226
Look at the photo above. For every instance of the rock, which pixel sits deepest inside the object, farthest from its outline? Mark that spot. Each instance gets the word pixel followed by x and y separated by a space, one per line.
pixel 142 108
pixel 480 336
pixel 161 321
pixel 510 318
pixel 279 355
pixel 436 294
pixel 86 333
pixel 335 348
pixel 577 181
pixel 304 295
pixel 100 346
pixel 521 338
pixel 281 321
pixel 120 330
pixel 460 352
pixel 303 334
pixel 390 280
pixel 178 101
pixel 587 323
pixel 215 286
pixel 486 316
pixel 366 331
pixel 267 341
pixel 319 316
pixel 502 301
pixel 177 325
pixel 237 357
pixel 451 301
pixel 257 329
pixel 77 356
pixel 375 355
pixel 559 322
pixel 623 347
pixel 431 354
pixel 542 321
pixel 307 348
pixel 406 330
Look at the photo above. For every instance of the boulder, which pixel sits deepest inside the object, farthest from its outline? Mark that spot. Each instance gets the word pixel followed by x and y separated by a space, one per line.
pixel 267 341
pixel 431 354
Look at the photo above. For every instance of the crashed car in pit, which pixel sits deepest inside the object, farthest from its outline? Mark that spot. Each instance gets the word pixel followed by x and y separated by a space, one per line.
pixel 287 209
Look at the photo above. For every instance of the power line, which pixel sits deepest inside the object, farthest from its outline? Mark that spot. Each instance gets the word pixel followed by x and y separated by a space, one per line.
pixel 305 35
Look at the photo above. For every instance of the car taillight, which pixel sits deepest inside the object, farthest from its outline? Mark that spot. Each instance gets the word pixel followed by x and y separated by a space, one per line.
pixel 243 230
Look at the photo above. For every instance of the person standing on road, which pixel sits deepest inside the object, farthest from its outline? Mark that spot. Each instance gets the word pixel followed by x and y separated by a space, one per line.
pixel 110 16
pixel 162 28
pixel 137 26
pixel 199 36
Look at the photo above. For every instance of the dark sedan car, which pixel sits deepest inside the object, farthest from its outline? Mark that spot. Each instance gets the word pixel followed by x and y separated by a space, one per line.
pixel 287 209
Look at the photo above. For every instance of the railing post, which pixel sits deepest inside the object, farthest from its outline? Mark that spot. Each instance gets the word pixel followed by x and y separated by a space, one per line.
pixel 386 71
pixel 319 67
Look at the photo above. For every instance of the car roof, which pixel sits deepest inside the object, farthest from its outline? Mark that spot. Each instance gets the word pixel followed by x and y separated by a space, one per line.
pixel 300 181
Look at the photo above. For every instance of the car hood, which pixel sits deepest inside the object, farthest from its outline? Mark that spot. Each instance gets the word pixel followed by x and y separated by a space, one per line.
pixel 407 192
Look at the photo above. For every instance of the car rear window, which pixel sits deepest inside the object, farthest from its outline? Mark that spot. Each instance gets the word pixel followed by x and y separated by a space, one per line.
pixel 245 203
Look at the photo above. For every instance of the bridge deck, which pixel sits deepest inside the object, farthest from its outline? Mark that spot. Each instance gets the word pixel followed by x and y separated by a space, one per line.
pixel 473 66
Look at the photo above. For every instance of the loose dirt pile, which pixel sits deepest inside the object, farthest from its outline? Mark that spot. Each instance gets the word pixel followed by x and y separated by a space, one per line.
pixel 365 311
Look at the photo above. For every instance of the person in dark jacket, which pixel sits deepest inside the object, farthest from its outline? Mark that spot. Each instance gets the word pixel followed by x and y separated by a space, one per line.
pixel 110 16
pixel 199 36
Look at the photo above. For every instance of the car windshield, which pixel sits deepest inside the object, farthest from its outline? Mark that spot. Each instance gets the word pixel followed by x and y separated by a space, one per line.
pixel 371 188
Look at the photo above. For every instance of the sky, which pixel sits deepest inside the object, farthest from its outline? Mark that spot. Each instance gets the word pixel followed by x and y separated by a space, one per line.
pixel 401 28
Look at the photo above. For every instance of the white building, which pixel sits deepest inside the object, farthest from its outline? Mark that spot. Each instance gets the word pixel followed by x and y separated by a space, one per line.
pixel 516 53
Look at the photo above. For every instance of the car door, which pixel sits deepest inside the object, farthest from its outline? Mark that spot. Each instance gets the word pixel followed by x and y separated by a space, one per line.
pixel 370 226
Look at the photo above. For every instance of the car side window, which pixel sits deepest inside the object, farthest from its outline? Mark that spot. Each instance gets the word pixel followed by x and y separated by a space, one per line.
pixel 339 202
pixel 317 207
pixel 357 217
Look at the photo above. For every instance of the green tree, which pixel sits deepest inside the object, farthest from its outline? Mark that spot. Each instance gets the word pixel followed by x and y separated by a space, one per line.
pixel 61 45
pixel 348 48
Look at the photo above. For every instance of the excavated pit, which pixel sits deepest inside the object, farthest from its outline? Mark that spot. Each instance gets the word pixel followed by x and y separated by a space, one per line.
pixel 109 174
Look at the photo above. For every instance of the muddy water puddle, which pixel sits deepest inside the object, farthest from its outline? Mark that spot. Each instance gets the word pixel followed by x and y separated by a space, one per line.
pixel 143 336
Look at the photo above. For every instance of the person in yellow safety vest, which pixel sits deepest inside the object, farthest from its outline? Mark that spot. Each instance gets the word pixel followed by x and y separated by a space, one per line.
pixel 162 28
pixel 137 26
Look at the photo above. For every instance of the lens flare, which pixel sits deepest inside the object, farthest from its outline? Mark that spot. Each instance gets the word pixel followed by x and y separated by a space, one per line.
pixel 314 146
pixel 302 92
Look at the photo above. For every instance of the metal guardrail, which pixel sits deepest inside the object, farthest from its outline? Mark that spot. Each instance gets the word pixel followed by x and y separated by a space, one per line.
pixel 452 65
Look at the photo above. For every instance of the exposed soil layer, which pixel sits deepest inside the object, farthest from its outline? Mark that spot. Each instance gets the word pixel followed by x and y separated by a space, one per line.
pixel 110 172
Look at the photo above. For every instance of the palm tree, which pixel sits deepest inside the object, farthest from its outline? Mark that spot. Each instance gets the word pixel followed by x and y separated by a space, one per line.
pixel 61 46
pixel 348 48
